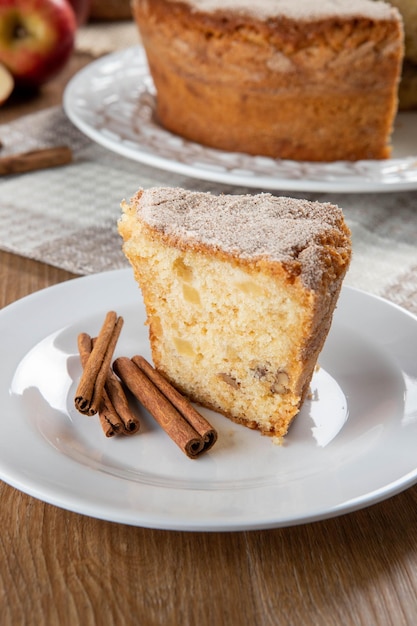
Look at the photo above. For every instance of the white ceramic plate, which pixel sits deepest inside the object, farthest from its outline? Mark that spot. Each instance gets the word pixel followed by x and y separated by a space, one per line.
pixel 353 444
pixel 112 101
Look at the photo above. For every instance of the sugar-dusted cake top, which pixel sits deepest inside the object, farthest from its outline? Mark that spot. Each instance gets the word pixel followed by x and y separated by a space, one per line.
pixel 299 9
pixel 250 226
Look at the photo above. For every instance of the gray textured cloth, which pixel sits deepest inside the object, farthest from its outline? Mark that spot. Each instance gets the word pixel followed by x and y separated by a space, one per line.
pixel 67 216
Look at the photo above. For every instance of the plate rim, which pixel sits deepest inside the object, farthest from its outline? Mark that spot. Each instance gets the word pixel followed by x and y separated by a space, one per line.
pixel 271 183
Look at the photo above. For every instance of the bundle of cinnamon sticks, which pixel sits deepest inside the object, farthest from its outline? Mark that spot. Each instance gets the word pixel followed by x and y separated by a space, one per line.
pixel 101 390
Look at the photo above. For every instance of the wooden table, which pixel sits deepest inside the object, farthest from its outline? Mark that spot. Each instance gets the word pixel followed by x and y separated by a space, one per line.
pixel 58 567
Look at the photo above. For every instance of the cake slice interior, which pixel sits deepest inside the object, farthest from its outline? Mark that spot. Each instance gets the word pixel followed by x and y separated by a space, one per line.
pixel 239 293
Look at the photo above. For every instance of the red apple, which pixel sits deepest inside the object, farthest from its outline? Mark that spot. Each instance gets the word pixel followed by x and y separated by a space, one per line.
pixel 81 9
pixel 36 38
pixel 6 83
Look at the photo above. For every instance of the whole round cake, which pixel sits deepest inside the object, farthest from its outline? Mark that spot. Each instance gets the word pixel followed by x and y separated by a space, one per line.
pixel 304 80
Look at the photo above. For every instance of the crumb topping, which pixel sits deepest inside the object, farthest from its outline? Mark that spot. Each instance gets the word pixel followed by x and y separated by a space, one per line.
pixel 251 226
pixel 299 9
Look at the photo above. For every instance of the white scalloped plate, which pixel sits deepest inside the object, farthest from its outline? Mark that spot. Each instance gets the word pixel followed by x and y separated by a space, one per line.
pixel 112 101
pixel 353 444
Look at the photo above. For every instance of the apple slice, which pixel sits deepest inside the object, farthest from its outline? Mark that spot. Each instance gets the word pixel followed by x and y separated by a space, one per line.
pixel 6 83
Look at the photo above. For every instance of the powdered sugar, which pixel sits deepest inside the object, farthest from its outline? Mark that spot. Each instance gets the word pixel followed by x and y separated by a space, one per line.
pixel 299 9
pixel 251 226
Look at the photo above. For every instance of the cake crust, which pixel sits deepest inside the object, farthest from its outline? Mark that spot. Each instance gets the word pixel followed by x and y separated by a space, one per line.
pixel 279 233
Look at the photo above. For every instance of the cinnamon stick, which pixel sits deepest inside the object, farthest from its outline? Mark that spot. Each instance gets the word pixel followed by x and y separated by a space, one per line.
pixel 35 160
pixel 114 389
pixel 180 431
pixel 193 417
pixel 90 388
pixel 117 398
pixel 110 421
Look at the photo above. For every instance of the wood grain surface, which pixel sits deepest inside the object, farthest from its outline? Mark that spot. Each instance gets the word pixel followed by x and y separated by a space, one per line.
pixel 58 567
